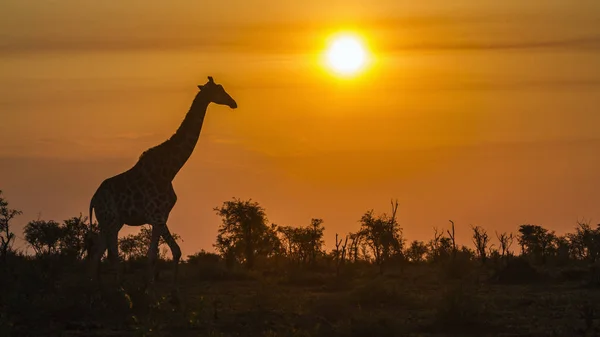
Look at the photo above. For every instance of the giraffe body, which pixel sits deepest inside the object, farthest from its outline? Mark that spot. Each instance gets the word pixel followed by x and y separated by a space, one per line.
pixel 144 194
pixel 134 200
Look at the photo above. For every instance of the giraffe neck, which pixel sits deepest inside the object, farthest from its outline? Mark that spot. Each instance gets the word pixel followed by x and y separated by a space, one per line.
pixel 165 160
pixel 186 137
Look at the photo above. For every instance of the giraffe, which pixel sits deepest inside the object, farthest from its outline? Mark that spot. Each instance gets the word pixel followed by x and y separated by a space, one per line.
pixel 144 194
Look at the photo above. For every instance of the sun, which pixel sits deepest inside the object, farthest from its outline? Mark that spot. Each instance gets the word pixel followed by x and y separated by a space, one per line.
pixel 346 54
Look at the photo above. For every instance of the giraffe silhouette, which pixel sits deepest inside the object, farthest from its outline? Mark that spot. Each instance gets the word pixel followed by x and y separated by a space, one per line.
pixel 144 194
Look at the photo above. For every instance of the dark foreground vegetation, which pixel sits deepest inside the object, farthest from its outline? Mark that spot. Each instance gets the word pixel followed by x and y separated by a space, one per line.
pixel 269 280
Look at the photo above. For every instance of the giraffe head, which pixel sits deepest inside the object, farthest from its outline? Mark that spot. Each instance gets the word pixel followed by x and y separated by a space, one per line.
pixel 217 94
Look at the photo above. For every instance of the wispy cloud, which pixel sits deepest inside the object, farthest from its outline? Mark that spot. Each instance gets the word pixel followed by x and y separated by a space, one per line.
pixel 269 44
pixel 552 84
pixel 108 146
pixel 417 32
pixel 578 43
pixel 224 140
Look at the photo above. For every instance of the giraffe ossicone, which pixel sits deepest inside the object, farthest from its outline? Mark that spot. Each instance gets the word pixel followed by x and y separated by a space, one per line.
pixel 144 194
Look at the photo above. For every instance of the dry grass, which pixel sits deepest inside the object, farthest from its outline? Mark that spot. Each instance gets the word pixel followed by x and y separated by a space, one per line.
pixel 416 301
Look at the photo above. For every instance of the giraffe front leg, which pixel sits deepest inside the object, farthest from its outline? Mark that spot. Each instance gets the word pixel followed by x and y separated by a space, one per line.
pixel 175 250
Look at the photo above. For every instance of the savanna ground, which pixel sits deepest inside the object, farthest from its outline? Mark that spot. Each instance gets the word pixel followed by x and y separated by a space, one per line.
pixel 49 297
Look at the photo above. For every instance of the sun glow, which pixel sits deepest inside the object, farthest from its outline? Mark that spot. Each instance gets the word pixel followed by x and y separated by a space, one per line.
pixel 346 54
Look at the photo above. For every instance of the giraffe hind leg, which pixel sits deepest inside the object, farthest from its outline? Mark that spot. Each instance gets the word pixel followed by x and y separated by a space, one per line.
pixel 176 252
pixel 161 230
pixel 98 251
pixel 112 243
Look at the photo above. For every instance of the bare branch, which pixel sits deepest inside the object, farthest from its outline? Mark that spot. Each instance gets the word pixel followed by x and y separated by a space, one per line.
pixel 452 237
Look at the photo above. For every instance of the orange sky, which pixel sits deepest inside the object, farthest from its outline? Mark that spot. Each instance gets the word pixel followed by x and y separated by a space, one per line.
pixel 482 112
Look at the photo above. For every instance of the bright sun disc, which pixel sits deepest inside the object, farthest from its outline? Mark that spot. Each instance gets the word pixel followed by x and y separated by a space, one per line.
pixel 346 55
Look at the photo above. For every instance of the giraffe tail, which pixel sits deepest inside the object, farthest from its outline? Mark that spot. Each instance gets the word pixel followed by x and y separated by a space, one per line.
pixel 92 206
pixel 89 240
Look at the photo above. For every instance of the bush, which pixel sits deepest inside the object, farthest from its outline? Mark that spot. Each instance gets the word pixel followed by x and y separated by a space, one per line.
pixel 574 274
pixel 458 268
pixel 207 266
pixel 518 270
pixel 594 275
pixel 373 324
pixel 380 293
pixel 301 277
pixel 203 257
pixel 460 309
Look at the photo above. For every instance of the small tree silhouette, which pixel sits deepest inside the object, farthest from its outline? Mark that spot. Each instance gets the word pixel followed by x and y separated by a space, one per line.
pixel 288 241
pixel 562 249
pixel 440 247
pixel 44 236
pixel 452 236
pixel 339 253
pixel 481 241
pixel 585 242
pixel 6 236
pixel 355 243
pixel 75 236
pixel 383 235
pixel 303 244
pixel 296 242
pixel 536 241
pixel 71 238
pixel 244 233
pixel 417 251
pixel 506 240
pixel 317 231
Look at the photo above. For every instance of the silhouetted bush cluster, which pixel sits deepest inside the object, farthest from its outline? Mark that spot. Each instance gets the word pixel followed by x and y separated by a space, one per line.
pixel 271 280
pixel 245 237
